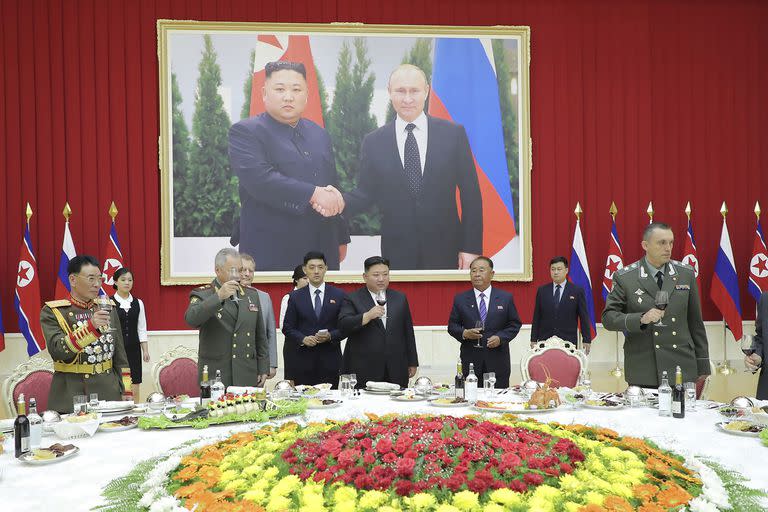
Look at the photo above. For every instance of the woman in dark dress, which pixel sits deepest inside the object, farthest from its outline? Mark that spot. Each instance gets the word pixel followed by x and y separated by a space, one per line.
pixel 133 324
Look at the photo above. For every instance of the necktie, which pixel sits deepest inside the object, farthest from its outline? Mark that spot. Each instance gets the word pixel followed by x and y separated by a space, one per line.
pixel 660 278
pixel 318 304
pixel 483 309
pixel 557 295
pixel 412 161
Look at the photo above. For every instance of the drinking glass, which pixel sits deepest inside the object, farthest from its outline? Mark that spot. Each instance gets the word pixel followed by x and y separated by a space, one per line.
pixel 344 385
pixel 661 301
pixel 690 396
pixel 489 383
pixel 234 275
pixel 352 383
pixel 381 300
pixel 93 403
pixel 79 403
pixel 745 343
pixel 480 326
pixel 105 304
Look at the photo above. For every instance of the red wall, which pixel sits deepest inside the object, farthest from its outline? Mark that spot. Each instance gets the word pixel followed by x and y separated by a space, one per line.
pixel 631 101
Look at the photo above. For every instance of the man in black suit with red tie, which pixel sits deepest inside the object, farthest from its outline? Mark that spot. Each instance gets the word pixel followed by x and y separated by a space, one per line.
pixel 496 309
pixel 311 352
pixel 560 306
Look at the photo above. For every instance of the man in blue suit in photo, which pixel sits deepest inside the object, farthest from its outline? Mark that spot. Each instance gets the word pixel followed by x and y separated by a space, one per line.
pixel 560 307
pixel 312 351
pixel 488 349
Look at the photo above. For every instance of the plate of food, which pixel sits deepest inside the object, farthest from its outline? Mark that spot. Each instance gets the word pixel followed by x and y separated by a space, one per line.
pixel 603 403
pixel 741 428
pixel 408 397
pixel 449 402
pixel 515 407
pixel 316 390
pixel 318 403
pixel 124 423
pixel 54 453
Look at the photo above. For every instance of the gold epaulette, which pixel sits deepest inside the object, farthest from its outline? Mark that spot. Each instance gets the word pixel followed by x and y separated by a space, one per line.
pixel 204 287
pixel 58 303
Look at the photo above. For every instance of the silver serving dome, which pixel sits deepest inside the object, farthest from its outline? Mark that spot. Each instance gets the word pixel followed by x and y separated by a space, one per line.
pixel 156 401
pixel 742 401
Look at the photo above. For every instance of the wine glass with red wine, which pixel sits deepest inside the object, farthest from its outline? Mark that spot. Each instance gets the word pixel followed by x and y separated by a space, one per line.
pixel 746 344
pixel 381 300
pixel 661 302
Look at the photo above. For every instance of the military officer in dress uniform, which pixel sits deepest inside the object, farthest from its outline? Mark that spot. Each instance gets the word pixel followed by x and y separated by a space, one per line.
pixel 87 358
pixel 650 348
pixel 232 334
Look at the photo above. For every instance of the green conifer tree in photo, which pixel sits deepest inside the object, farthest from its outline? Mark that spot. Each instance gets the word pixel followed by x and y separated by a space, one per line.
pixel 180 160
pixel 509 119
pixel 247 86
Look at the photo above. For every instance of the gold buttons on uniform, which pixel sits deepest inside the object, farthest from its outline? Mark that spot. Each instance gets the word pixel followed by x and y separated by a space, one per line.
pixel 247 334
pixel 87 376
pixel 656 333
pixel 674 346
pixel 234 356
pixel 234 345
pixel 673 319
pixel 234 335
pixel 247 344
pixel 658 346
pixel 674 333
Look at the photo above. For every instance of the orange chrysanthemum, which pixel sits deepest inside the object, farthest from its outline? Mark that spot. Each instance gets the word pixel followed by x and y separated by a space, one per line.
pixel 209 474
pixel 651 507
pixel 617 504
pixel 188 473
pixel 645 492
pixel 191 489
pixel 592 508
pixel 673 496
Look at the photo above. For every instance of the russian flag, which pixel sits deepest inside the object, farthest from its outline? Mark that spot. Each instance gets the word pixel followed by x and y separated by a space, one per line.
pixel 27 297
pixel 758 265
pixel 67 253
pixel 725 285
pixel 613 262
pixel 465 91
pixel 579 274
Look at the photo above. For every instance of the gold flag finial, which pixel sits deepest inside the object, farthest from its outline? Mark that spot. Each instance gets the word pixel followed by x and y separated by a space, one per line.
pixel 578 211
pixel 113 211
pixel 757 210
pixel 688 210
pixel 28 212
pixel 67 211
pixel 723 210
pixel 650 211
pixel 613 210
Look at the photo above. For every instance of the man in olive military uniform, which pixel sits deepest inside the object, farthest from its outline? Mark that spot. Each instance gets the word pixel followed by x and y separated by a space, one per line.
pixel 86 357
pixel 232 334
pixel 649 348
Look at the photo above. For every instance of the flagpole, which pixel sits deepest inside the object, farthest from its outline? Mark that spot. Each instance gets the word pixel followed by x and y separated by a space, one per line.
pixel 617 371
pixel 578 211
pixel 724 368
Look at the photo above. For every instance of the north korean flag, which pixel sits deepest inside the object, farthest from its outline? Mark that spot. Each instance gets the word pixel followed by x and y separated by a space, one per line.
pixel 27 297
pixel 758 265
pixel 613 262
pixel 113 257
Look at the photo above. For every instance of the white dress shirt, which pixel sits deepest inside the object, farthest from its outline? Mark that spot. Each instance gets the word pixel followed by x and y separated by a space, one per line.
pixel 487 297
pixel 126 305
pixel 312 293
pixel 420 132
pixel 562 289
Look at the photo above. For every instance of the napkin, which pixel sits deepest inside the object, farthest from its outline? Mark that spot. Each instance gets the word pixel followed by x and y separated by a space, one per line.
pixel 382 386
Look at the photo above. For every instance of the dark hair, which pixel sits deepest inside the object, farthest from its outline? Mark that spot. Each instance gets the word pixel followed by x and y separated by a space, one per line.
pixel 118 274
pixel 77 263
pixel 314 255
pixel 485 258
pixel 375 260
pixel 655 225
pixel 559 259
pixel 283 65
pixel 298 273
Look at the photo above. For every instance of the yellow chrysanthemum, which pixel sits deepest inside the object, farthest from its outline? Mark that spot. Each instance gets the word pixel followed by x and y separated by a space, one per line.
pixel 228 476
pixel 372 499
pixel 278 504
pixel 345 506
pixel 237 484
pixel 569 483
pixel 389 508
pixel 570 506
pixel 506 497
pixel 257 496
pixel 594 498
pixel 270 473
pixel 446 508
pixel 344 494
pixel 285 485
pixel 422 501
pixel 494 507
pixel 466 500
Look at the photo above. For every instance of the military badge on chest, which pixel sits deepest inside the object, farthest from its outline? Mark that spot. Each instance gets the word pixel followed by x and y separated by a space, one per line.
pixel 252 306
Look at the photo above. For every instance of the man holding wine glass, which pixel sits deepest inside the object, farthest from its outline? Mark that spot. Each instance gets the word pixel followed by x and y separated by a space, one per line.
pixel 655 302
pixel 87 356
pixel 757 352
pixel 484 320
pixel 232 334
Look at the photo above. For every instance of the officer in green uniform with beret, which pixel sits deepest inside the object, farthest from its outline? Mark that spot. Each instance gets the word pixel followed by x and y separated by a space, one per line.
pixel 232 334
pixel 650 348
pixel 87 358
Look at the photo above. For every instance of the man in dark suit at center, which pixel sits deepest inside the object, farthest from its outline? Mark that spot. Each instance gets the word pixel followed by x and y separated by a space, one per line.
pixel 560 307
pixel 496 309
pixel 311 352
pixel 381 346
pixel 411 168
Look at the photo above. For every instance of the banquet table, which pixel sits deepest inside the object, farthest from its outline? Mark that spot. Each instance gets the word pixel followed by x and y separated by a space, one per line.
pixel 76 483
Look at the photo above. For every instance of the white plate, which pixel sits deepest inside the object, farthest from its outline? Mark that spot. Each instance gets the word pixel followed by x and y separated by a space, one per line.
pixel 515 410
pixel 27 458
pixel 438 404
pixel 721 425
pixel 321 406
pixel 603 407
pixel 378 391
pixel 414 398
pixel 107 411
pixel 103 428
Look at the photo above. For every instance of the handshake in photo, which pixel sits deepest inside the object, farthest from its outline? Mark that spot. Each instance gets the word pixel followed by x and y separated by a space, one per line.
pixel 327 201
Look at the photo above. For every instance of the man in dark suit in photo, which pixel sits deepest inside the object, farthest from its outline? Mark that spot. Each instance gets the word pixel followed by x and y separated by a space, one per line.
pixel 756 360
pixel 381 345
pixel 560 307
pixel 311 352
pixel 411 168
pixel 488 349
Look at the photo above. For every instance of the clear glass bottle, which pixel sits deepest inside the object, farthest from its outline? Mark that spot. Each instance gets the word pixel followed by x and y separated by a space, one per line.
pixel 665 396
pixel 217 388
pixel 35 425
pixel 470 385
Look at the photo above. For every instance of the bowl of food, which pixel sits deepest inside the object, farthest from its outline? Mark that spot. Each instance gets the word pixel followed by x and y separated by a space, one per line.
pixel 733 411
pixel 77 425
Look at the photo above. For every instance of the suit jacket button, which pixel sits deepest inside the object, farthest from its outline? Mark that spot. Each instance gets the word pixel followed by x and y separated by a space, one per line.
pixel 656 333
pixel 234 345
pixel 674 346
pixel 235 335
pixel 247 334
pixel 247 344
pixel 87 376
pixel 234 356
pixel 674 333
pixel 673 319
pixel 658 346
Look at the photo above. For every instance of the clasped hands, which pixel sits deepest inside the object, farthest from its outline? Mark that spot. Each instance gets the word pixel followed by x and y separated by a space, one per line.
pixel 327 201
pixel 474 334
pixel 321 337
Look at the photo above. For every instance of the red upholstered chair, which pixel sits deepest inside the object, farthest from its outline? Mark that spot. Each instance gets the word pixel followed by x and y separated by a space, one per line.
pixel 175 373
pixel 33 378
pixel 559 359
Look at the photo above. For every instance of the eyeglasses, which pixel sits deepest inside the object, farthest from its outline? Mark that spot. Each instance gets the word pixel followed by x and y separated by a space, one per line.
pixel 91 279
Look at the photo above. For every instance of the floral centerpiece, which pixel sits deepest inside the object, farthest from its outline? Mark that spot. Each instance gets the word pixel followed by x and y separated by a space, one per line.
pixel 425 463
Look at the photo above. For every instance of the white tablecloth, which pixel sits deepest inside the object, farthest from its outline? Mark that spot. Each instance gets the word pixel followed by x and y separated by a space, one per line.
pixel 76 484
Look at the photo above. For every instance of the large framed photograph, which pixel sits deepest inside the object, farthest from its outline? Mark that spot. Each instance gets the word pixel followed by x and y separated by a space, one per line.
pixel 410 142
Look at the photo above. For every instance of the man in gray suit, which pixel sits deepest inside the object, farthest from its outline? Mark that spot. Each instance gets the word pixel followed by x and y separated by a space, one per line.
pixel 756 360
pixel 232 334
pixel 267 313
pixel 651 346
